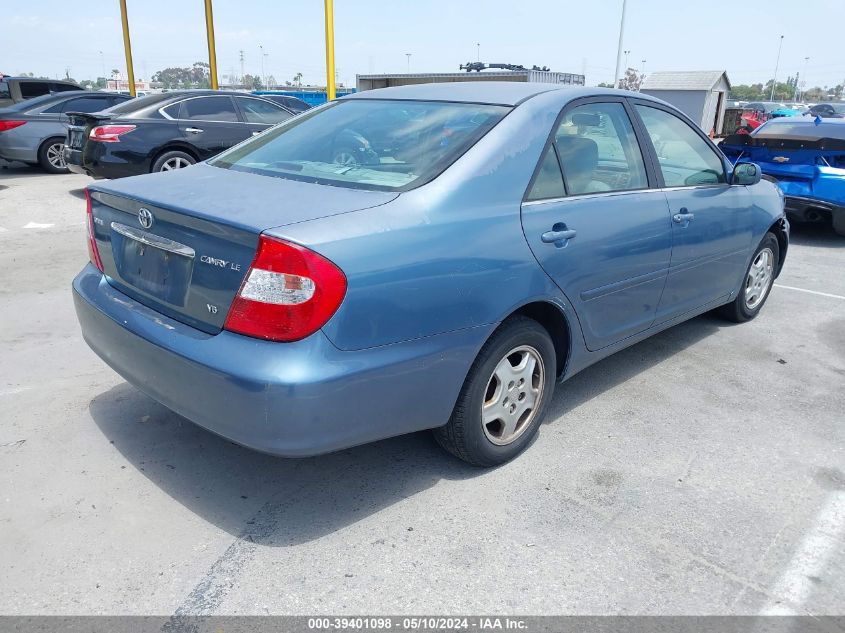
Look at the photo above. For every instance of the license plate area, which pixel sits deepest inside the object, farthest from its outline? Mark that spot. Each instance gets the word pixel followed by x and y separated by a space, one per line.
pixel 75 139
pixel 153 264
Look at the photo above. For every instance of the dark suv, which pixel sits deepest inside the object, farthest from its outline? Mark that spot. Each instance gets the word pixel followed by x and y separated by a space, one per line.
pixel 15 89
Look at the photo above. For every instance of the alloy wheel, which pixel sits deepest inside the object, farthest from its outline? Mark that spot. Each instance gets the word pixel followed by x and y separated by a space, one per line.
pixel 55 155
pixel 759 279
pixel 513 395
pixel 177 162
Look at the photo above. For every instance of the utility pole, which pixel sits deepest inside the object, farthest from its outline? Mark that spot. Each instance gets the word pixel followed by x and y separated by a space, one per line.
pixel 478 48
pixel 408 55
pixel 103 64
pixel 777 64
pixel 619 48
pixel 626 62
pixel 127 48
pixel 642 70
pixel 261 49
pixel 804 74
pixel 212 49
pixel 330 73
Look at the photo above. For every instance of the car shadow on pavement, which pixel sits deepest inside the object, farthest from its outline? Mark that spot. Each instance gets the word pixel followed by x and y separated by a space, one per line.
pixel 627 363
pixel 270 500
pixel 277 502
pixel 815 234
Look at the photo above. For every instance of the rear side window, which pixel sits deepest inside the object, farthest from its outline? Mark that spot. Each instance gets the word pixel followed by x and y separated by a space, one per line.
pixel 598 150
pixel 549 182
pixel 258 111
pixel 685 158
pixel 86 104
pixel 31 89
pixel 5 93
pixel 209 109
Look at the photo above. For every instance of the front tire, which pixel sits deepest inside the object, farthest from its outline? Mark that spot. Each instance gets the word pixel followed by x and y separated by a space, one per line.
pixel 838 222
pixel 51 156
pixel 173 160
pixel 757 282
pixel 504 397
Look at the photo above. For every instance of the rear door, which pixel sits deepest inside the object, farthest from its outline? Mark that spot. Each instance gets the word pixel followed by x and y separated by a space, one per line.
pixel 260 114
pixel 711 219
pixel 602 232
pixel 211 124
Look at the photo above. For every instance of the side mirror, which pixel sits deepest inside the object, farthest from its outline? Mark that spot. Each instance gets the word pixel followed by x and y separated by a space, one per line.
pixel 746 174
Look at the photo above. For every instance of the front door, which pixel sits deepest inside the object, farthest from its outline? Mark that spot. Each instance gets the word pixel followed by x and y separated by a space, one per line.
pixel 600 232
pixel 711 219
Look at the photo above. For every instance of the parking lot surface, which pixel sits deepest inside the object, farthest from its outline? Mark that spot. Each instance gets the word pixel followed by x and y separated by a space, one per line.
pixel 699 472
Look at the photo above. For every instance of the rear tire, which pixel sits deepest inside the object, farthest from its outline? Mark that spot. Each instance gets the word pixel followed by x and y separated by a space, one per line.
pixel 504 397
pixel 173 160
pixel 838 221
pixel 51 157
pixel 756 283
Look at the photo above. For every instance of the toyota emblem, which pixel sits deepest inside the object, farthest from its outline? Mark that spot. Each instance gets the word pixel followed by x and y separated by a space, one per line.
pixel 145 218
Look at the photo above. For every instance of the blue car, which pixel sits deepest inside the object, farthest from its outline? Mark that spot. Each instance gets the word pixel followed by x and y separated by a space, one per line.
pixel 422 257
pixel 806 157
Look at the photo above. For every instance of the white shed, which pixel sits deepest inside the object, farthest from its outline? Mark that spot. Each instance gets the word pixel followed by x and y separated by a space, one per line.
pixel 700 94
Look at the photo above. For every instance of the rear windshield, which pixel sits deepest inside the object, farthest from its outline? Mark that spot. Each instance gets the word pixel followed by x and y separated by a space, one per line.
pixel 140 102
pixel 367 143
pixel 800 128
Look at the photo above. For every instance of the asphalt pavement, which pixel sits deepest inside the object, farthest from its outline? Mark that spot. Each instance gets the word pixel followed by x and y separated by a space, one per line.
pixel 699 472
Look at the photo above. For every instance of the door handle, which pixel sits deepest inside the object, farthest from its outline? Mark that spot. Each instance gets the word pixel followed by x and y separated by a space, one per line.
pixel 193 130
pixel 559 235
pixel 256 133
pixel 683 216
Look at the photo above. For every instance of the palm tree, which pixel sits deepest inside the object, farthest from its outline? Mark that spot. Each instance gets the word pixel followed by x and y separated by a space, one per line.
pixel 298 79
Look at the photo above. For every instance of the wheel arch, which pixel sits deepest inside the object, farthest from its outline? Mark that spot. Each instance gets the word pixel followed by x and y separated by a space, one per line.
pixel 780 231
pixel 173 146
pixel 554 320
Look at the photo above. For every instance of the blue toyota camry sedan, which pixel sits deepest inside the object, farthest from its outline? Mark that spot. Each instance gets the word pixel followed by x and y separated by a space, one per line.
pixel 423 257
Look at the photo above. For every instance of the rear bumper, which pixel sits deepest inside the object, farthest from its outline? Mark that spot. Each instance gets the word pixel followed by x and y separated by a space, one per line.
pixel 291 399
pixel 805 209
pixel 98 161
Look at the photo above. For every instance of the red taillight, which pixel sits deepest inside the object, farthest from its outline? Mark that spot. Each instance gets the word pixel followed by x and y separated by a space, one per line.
pixel 288 293
pixel 10 125
pixel 93 253
pixel 109 133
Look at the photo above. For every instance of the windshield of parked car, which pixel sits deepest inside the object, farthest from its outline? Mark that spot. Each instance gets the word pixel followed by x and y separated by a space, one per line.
pixel 367 143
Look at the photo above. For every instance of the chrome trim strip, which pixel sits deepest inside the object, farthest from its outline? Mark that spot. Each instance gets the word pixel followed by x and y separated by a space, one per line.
pixel 155 241
pixel 605 194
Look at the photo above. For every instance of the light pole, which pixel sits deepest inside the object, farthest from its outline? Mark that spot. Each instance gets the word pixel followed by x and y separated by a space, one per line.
pixel 408 55
pixel 103 64
pixel 478 47
pixel 626 61
pixel 799 92
pixel 619 48
pixel 642 70
pixel 261 49
pixel 777 64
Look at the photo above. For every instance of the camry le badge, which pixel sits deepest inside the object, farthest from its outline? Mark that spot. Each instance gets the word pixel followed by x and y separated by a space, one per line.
pixel 145 218
pixel 781 159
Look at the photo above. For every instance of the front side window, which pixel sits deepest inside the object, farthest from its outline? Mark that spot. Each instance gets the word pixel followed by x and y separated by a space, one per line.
pixel 598 150
pixel 685 158
pixel 258 111
pixel 367 143
pixel 209 109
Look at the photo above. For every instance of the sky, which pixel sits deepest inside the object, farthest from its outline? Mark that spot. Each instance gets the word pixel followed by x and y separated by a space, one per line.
pixel 48 37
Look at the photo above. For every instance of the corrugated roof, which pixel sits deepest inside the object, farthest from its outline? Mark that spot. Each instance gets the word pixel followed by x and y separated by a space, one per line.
pixel 684 80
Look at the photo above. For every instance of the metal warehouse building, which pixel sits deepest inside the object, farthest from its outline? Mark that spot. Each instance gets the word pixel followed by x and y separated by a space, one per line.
pixel 699 94
pixel 369 82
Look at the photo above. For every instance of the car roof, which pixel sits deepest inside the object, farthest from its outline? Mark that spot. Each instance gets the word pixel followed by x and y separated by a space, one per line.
pixel 492 92
pixel 56 97
pixel 52 81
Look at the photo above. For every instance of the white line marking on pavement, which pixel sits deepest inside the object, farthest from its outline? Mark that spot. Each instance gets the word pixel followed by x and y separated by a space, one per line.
pixel 812 292
pixel 36 225
pixel 796 583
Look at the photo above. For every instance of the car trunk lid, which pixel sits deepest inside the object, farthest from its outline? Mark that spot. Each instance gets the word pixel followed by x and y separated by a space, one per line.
pixel 182 242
